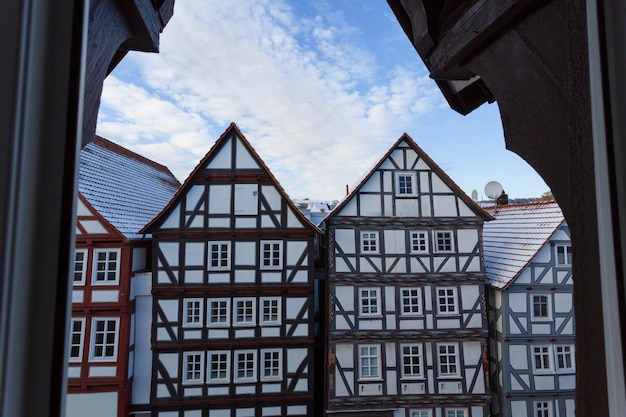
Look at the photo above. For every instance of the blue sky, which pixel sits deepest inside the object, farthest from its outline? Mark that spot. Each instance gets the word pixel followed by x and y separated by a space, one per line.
pixel 321 89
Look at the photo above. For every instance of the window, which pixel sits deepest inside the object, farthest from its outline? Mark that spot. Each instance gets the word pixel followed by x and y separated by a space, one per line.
pixel 192 312
pixel 412 361
pixel 219 367
pixel 419 242
pixel 219 256
pixel 411 301
pixel 77 337
pixel 369 242
pixel 456 412
pixel 80 266
pixel 446 300
pixel 541 358
pixel 245 361
pixel 421 413
pixel 543 409
pixel 564 255
pixel 104 339
pixel 270 311
pixel 192 367
pixel 271 365
pixel 406 184
pixel 369 302
pixel 106 266
pixel 541 307
pixel 219 312
pixel 448 359
pixel 369 362
pixel 271 254
pixel 564 358
pixel 244 312
pixel 443 241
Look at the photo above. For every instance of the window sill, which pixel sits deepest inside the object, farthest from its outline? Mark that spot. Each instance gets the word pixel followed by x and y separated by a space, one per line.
pixel 408 379
pixel 372 317
pixel 372 381
pixel 192 383
pixel 450 378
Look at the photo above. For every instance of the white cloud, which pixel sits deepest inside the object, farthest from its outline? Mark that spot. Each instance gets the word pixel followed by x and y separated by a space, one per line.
pixel 301 89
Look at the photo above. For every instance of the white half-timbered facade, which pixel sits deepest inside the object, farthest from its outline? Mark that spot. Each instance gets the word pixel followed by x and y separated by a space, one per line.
pixel 119 191
pixel 528 257
pixel 233 290
pixel 407 332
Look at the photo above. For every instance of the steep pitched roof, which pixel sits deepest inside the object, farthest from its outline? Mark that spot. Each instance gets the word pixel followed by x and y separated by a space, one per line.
pixel 431 164
pixel 516 235
pixel 232 129
pixel 127 189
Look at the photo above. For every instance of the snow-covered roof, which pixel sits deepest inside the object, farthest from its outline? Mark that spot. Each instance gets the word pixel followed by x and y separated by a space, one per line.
pixel 516 235
pixel 127 189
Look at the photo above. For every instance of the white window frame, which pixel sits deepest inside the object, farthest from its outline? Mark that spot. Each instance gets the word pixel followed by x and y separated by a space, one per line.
pixel 373 295
pixel 115 344
pixel 253 362
pixel 548 305
pixel 567 255
pixel 451 292
pixel 274 256
pixel 198 362
pixel 542 409
pixel 222 255
pixel 81 339
pixel 252 311
pixel 411 355
pixel 369 242
pixel 369 352
pixel 566 351
pixel 456 412
pixel 84 262
pixel 197 314
pixel 277 364
pixel 447 354
pixel 418 238
pixel 407 300
pixel 406 193
pixel 276 310
pixel 544 352
pixel 95 270
pixel 211 356
pixel 443 234
pixel 421 413
pixel 226 315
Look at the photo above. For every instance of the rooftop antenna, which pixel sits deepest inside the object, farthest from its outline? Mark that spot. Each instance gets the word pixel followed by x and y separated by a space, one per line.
pixel 493 190
pixel 474 195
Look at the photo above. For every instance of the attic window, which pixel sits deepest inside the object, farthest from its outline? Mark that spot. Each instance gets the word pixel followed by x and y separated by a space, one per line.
pixel 406 184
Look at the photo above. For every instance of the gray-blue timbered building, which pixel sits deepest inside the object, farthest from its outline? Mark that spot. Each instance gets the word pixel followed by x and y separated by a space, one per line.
pixel 528 258
pixel 407 330
pixel 233 287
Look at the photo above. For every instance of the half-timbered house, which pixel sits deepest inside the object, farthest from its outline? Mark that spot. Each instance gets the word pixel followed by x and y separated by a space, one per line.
pixel 528 257
pixel 119 192
pixel 233 326
pixel 407 322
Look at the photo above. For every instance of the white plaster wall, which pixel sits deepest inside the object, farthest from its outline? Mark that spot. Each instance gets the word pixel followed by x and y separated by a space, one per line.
pixel 101 404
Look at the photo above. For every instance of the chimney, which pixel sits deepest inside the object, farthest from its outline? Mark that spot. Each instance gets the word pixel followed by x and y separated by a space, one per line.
pixel 503 200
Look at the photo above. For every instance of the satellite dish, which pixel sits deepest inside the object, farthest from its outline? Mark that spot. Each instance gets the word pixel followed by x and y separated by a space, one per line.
pixel 493 190
pixel 474 195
